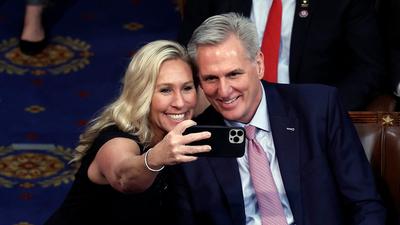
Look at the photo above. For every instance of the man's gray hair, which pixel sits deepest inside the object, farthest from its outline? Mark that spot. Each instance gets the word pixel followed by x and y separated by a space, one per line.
pixel 217 29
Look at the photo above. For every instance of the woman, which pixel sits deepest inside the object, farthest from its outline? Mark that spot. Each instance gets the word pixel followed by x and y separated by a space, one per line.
pixel 124 150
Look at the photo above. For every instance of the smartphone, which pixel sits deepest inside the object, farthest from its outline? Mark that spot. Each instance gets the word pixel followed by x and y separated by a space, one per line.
pixel 224 141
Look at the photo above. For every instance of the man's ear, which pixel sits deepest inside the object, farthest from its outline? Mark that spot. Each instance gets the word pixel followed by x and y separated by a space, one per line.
pixel 260 64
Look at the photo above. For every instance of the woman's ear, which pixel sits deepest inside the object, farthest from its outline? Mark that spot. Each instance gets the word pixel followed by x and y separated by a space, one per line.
pixel 260 64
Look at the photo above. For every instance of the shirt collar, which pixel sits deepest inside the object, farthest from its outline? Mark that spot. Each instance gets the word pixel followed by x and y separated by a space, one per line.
pixel 260 118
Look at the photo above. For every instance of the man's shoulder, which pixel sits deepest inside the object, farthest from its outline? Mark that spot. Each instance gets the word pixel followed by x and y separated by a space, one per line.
pixel 300 97
pixel 297 91
pixel 304 87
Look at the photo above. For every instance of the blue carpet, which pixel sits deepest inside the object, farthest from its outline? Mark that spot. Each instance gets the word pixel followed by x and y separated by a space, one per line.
pixel 46 101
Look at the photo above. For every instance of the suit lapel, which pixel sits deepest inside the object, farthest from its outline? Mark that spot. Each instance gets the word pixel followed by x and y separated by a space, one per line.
pixel 301 20
pixel 285 133
pixel 226 172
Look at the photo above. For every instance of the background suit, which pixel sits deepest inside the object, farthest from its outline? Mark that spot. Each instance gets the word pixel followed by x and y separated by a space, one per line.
pixel 337 44
pixel 326 175
pixel 389 20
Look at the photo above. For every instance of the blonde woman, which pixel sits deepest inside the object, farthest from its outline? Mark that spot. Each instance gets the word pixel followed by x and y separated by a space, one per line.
pixel 124 150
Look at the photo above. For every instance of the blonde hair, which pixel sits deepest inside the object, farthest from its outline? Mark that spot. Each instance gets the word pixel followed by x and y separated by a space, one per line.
pixel 130 111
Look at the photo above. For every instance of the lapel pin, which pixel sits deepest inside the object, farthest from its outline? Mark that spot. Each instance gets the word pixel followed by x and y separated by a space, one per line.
pixel 290 128
pixel 304 6
pixel 304 3
pixel 303 13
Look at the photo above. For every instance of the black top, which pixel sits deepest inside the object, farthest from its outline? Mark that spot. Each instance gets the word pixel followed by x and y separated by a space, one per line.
pixel 89 203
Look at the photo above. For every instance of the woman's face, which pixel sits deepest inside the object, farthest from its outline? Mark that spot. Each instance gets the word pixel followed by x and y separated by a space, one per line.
pixel 174 97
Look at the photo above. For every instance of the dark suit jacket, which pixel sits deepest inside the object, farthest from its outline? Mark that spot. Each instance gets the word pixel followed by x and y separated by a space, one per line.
pixel 337 44
pixel 389 19
pixel 324 169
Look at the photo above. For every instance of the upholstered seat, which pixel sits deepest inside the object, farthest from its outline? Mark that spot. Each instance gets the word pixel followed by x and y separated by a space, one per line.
pixel 379 133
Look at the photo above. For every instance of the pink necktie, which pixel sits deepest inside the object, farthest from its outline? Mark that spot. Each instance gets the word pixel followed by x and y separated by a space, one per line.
pixel 271 41
pixel 270 207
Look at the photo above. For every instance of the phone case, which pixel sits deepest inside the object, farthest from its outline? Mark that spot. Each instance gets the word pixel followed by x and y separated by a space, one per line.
pixel 224 141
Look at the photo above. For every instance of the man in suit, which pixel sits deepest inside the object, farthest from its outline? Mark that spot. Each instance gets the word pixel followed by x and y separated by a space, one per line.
pixel 319 170
pixel 334 42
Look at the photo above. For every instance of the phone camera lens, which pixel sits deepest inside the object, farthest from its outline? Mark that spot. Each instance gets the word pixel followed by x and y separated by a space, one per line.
pixel 233 132
pixel 240 133
pixel 236 139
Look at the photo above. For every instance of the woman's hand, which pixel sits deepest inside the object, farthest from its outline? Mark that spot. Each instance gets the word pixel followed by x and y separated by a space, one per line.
pixel 173 149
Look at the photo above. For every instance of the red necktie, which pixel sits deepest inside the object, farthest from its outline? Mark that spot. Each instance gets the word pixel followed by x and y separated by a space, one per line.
pixel 269 203
pixel 271 41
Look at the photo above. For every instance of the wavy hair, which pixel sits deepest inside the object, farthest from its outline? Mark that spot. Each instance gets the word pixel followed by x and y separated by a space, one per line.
pixel 217 29
pixel 130 111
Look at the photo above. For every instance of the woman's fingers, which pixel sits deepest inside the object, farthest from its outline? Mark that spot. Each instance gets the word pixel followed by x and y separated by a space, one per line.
pixel 193 149
pixel 186 158
pixel 186 153
pixel 177 148
pixel 176 138
pixel 192 137
pixel 181 127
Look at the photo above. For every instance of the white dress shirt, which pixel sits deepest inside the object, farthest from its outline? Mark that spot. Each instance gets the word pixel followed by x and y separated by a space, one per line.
pixel 259 15
pixel 264 137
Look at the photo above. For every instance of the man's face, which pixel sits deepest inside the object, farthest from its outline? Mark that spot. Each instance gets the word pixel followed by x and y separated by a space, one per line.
pixel 230 80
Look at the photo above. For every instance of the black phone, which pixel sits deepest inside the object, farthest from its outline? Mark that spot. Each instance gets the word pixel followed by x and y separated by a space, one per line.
pixel 224 141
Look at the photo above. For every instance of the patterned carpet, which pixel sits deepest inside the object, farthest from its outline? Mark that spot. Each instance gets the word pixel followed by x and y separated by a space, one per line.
pixel 45 101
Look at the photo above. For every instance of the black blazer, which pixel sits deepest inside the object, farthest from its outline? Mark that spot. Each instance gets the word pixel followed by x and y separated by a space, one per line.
pixel 337 44
pixel 389 21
